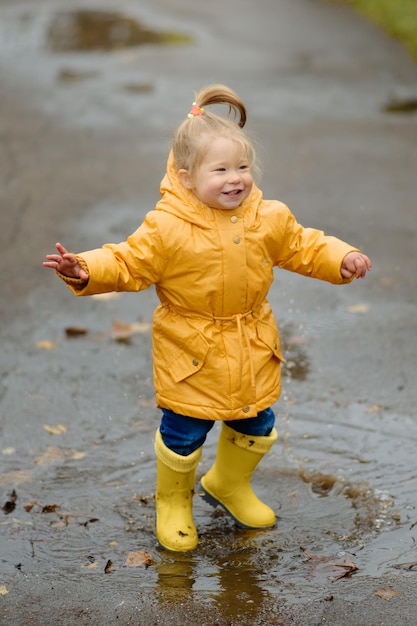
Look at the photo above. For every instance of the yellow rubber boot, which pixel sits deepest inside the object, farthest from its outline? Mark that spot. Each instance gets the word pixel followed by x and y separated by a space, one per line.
pixel 175 529
pixel 228 481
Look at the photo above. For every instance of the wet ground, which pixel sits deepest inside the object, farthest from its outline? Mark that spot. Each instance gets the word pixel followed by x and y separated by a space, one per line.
pixel 88 101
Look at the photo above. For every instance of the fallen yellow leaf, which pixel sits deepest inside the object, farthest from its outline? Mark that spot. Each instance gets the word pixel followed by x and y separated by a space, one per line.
pixel 16 477
pixel 46 345
pixel 141 327
pixel 122 331
pixel 386 593
pixel 89 565
pixel 3 590
pixel 29 505
pixel 8 451
pixel 59 429
pixel 358 308
pixel 21 522
pixel 63 523
pixel 373 408
pixel 53 454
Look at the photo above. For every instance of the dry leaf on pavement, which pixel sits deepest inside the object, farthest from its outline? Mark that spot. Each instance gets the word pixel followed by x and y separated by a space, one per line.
pixel 75 331
pixel 330 565
pixel 138 559
pixel 358 308
pixel 10 504
pixel 386 593
pixel 123 332
pixel 59 429
pixel 16 477
pixel 53 455
pixel 409 567
pixel 46 345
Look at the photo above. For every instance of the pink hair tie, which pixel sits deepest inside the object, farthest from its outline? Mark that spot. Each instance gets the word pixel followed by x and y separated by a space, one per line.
pixel 195 111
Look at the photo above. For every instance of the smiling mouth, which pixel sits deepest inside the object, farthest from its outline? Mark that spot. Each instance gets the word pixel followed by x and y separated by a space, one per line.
pixel 235 192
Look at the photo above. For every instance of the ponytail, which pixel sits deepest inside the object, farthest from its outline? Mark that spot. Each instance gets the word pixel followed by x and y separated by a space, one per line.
pixel 201 126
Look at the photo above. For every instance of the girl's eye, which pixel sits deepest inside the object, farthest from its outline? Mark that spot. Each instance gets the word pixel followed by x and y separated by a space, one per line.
pixel 221 169
pixel 244 167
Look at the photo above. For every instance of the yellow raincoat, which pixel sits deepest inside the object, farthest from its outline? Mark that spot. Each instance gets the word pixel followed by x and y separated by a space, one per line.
pixel 216 346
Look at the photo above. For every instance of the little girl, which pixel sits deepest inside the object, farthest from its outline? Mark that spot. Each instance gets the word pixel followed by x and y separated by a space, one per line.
pixel 210 247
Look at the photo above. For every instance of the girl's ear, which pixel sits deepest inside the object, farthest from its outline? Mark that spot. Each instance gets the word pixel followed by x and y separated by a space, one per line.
pixel 185 178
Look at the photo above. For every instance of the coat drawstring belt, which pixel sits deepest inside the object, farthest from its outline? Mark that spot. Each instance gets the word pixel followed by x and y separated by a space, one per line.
pixel 241 329
pixel 243 337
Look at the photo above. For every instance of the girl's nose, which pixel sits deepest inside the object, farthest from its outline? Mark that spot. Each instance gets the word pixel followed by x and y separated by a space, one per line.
pixel 234 176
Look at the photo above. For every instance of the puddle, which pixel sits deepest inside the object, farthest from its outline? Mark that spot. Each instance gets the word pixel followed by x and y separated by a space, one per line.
pixel 87 30
pixel 341 479
pixel 139 87
pixel 401 105
pixel 373 509
pixel 76 513
pixel 68 75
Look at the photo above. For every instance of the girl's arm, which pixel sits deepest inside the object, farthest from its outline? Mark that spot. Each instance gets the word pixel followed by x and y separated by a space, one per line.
pixel 131 265
pixel 312 253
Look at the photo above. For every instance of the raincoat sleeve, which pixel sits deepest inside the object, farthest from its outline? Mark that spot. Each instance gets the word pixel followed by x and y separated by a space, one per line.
pixel 308 251
pixel 132 265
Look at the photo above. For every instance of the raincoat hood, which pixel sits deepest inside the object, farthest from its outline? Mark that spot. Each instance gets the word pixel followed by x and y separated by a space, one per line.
pixel 182 202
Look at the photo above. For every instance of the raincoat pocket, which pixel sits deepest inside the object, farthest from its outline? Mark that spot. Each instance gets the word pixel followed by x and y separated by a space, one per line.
pixel 269 336
pixel 190 358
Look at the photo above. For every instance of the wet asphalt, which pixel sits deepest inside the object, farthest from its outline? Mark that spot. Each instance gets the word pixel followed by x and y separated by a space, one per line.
pixel 84 137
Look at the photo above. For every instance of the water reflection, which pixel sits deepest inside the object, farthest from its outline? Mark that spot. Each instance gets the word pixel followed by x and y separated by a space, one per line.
pixel 228 577
pixel 240 583
pixel 176 574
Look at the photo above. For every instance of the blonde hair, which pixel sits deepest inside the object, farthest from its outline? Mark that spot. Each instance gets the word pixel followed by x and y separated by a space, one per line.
pixel 192 138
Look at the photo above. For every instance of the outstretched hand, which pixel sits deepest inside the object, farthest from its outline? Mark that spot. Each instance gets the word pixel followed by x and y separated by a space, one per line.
pixel 66 263
pixel 355 264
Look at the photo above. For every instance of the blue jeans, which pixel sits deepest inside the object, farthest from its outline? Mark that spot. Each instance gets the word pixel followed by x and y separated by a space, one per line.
pixel 183 434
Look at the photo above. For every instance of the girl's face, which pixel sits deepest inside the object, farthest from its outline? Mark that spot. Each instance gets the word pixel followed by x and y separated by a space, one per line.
pixel 223 179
